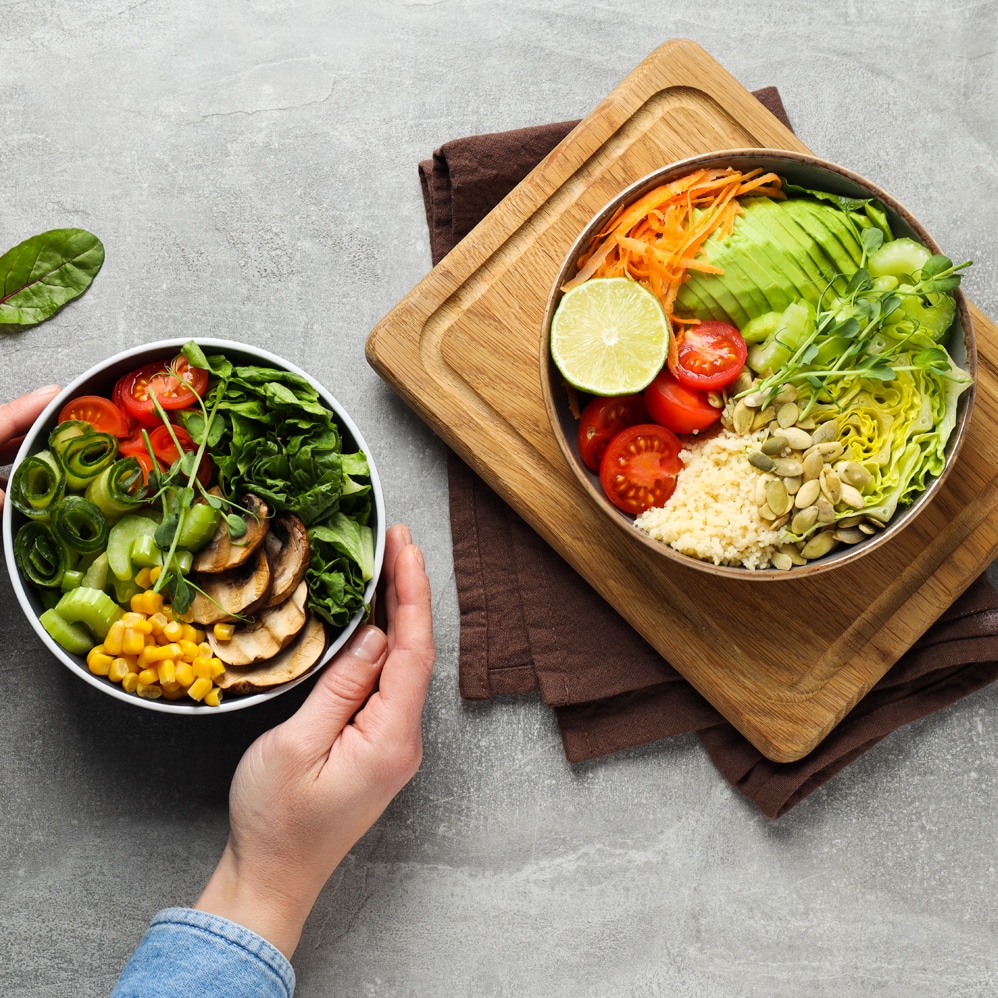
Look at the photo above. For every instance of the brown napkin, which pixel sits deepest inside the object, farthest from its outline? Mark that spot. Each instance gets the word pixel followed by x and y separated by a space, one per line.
pixel 530 622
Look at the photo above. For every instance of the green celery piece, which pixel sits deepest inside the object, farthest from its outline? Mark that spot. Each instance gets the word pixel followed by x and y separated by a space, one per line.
pixel 70 580
pixel 74 638
pixel 90 607
pixel 95 576
pixel 122 537
pixel 45 272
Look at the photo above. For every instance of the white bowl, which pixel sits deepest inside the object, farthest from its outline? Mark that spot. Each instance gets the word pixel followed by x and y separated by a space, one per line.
pixel 99 380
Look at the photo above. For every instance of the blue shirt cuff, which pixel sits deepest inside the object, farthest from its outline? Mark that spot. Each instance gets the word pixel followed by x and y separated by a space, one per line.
pixel 196 954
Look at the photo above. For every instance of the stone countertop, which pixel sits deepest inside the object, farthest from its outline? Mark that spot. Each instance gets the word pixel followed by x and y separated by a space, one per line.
pixel 250 166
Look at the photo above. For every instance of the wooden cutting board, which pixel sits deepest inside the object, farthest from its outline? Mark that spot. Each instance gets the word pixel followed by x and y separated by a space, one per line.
pixel 784 661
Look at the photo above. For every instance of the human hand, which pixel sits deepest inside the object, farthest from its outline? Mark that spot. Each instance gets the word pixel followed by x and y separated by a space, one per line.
pixel 308 789
pixel 16 418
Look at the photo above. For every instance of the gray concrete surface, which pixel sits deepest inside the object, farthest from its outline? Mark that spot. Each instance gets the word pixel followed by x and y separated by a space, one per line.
pixel 251 167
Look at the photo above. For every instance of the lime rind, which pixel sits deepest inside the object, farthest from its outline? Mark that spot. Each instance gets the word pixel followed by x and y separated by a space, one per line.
pixel 609 336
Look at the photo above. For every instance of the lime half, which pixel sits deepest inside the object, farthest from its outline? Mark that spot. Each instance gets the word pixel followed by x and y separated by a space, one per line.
pixel 609 336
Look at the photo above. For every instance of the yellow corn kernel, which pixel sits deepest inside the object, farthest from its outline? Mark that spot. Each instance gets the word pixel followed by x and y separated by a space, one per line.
pixel 98 662
pixel 224 632
pixel 135 603
pixel 184 673
pixel 158 620
pixel 119 669
pixel 213 697
pixel 191 634
pixel 155 571
pixel 152 603
pixel 148 676
pixel 188 650
pixel 133 642
pixel 166 671
pixel 199 688
pixel 115 634
pixel 142 579
pixel 217 667
pixel 205 649
pixel 151 692
pixel 131 619
pixel 175 692
pixel 202 668
pixel 130 682
pixel 174 630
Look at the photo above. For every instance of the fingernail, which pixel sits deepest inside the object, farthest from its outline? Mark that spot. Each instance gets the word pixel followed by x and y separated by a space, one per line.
pixel 419 557
pixel 369 645
pixel 47 390
pixel 406 534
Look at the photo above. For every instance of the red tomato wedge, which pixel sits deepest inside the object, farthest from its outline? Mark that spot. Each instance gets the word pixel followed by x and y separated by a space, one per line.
pixel 678 407
pixel 639 467
pixel 175 384
pixel 602 419
pixel 708 355
pixel 166 450
pixel 101 414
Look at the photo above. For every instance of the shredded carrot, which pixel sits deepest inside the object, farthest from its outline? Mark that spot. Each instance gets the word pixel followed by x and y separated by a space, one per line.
pixel 655 240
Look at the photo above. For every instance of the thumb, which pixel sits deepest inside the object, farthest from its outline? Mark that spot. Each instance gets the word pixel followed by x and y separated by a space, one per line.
pixel 344 686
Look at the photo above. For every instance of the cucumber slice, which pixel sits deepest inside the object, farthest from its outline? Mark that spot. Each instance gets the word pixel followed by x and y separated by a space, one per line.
pixel 899 256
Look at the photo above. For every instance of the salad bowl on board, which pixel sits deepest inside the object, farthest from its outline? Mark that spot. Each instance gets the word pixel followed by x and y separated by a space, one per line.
pixel 751 304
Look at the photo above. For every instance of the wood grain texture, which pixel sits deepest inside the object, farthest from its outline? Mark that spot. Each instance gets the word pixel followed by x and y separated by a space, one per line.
pixel 783 662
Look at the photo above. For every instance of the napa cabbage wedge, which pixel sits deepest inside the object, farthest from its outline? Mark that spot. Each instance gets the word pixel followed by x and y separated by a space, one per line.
pixel 269 433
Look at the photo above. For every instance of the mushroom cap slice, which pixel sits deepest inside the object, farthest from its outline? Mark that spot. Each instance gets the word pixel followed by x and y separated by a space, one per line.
pixel 222 553
pixel 292 662
pixel 272 630
pixel 289 552
pixel 237 592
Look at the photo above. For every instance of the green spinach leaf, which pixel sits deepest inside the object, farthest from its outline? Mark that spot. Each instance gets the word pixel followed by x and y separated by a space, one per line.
pixel 43 273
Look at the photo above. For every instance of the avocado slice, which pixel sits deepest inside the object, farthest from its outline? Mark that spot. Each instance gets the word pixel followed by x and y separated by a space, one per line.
pixel 691 301
pixel 831 232
pixel 816 273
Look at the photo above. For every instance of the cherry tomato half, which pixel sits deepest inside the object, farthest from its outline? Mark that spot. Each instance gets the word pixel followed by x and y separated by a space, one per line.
pixel 677 407
pixel 166 450
pixel 708 355
pixel 602 419
pixel 101 414
pixel 639 467
pixel 175 385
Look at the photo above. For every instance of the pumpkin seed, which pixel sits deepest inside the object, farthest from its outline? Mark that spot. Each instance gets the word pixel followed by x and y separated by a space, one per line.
pixel 797 438
pixel 804 520
pixel 793 484
pixel 788 414
pixel 826 511
pixel 819 545
pixel 788 393
pixel 848 535
pixel 782 561
pixel 855 474
pixel 761 461
pixel 830 449
pixel 774 446
pixel 754 400
pixel 826 431
pixel 742 418
pixel 792 553
pixel 807 494
pixel 776 497
pixel 762 417
pixel 767 512
pixel 865 528
pixel 831 486
pixel 742 383
pixel 788 467
pixel 852 497
pixel 780 522
pixel 716 399
pixel 812 464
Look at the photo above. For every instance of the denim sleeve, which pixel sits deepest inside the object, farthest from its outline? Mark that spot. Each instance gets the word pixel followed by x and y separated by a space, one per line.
pixel 196 955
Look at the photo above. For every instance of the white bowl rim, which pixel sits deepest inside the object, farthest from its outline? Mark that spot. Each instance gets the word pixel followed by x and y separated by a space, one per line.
pixel 74 663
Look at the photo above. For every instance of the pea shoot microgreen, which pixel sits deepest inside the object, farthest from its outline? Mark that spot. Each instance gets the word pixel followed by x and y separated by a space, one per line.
pixel 859 319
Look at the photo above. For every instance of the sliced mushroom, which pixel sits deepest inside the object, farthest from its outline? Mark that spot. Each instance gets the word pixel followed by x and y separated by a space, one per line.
pixel 272 630
pixel 288 550
pixel 222 552
pixel 292 662
pixel 237 592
